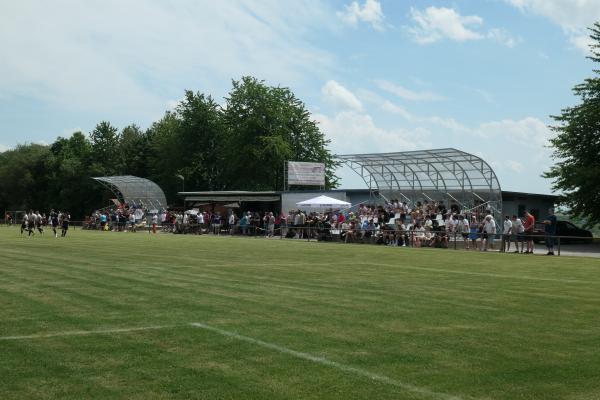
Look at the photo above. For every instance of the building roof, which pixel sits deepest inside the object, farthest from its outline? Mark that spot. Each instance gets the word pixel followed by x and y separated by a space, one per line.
pixel 439 169
pixel 435 174
pixel 230 196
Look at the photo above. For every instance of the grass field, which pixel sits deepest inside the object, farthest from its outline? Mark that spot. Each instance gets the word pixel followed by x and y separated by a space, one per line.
pixel 109 315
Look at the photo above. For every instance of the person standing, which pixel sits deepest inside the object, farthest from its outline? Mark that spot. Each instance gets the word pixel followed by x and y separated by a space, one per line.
pixel 489 232
pixel 231 223
pixel 506 232
pixel 271 225
pixel 517 233
pixel 132 224
pixel 474 232
pixel 550 231
pixel 154 222
pixel 528 226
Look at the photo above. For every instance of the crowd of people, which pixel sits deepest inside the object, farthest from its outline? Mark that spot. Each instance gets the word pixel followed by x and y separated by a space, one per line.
pixel 34 221
pixel 394 223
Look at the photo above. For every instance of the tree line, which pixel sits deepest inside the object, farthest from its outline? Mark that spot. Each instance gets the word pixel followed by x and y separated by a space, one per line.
pixel 240 145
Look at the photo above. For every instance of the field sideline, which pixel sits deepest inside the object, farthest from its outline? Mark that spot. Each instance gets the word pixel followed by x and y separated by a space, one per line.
pixel 137 316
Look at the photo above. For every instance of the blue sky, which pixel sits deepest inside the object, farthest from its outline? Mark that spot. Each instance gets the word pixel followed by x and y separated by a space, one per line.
pixel 479 75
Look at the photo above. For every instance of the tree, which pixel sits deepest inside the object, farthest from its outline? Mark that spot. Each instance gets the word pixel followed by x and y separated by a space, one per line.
pixel 133 151
pixel 576 146
pixel 200 139
pixel 69 172
pixel 105 142
pixel 164 150
pixel 23 177
pixel 267 126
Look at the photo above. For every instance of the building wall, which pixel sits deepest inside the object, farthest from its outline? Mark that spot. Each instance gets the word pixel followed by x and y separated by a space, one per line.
pixel 515 206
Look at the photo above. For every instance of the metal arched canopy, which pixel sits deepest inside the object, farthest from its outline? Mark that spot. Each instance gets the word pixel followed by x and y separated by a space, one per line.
pixel 136 191
pixel 424 174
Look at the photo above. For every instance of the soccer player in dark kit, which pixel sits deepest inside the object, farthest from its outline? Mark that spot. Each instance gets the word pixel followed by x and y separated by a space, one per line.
pixel 65 223
pixel 31 224
pixel 54 222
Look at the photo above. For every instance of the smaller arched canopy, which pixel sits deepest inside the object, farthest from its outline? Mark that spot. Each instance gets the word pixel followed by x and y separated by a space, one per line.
pixel 136 191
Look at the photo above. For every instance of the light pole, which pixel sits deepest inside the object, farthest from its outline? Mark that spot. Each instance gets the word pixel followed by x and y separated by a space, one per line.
pixel 182 182
pixel 182 186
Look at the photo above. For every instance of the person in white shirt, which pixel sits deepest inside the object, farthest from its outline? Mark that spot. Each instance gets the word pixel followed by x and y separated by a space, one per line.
pixel 455 220
pixel 428 223
pixel 419 235
pixel 200 219
pixel 461 229
pixel 506 232
pixel 231 222
pixel 24 223
pixel 517 233
pixel 132 221
pixel 154 222
pixel 489 231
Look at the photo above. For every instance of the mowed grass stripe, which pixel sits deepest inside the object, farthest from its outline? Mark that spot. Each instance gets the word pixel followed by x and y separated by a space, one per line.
pixel 238 288
pixel 469 258
pixel 522 337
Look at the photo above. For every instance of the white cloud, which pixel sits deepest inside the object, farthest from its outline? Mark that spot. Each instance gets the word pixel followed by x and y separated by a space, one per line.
pixel 405 93
pixel 581 41
pixel 503 37
pixel 336 94
pixel 573 16
pixel 436 23
pixel 514 165
pixel 393 108
pixel 3 148
pixel 354 132
pixel 370 12
pixel 132 57
pixel 527 132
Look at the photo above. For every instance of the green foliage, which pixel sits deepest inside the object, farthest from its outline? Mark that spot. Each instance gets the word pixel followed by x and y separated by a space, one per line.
pixel 199 140
pixel 577 147
pixel 240 147
pixel 23 180
pixel 105 141
pixel 267 126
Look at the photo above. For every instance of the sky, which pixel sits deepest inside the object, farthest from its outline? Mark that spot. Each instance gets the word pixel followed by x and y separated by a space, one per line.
pixel 483 76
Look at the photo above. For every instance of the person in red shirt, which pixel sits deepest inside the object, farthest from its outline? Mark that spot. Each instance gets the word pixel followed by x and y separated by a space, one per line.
pixel 529 224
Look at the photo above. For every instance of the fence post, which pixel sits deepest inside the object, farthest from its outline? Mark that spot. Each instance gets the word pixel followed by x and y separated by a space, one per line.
pixel 559 245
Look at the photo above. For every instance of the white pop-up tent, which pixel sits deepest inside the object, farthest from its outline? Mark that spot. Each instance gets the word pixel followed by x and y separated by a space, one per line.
pixel 323 202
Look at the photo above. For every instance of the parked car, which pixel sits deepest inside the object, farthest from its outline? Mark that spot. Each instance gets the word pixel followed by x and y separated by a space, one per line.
pixel 566 228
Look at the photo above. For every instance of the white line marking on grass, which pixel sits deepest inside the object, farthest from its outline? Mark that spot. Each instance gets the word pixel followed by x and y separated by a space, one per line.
pixel 324 361
pixel 84 333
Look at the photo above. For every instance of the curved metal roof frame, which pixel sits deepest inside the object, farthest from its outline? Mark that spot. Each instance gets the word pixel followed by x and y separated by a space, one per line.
pixel 136 191
pixel 447 172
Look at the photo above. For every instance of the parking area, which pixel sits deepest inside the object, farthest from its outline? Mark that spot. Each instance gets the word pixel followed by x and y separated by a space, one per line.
pixel 581 250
